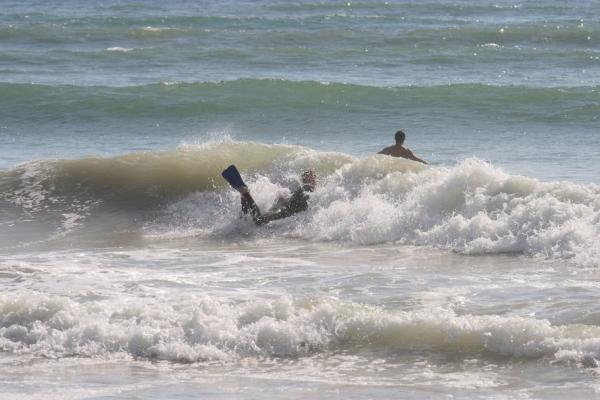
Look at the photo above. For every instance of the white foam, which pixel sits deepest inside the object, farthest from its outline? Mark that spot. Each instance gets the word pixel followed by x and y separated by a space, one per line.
pixel 471 208
pixel 157 29
pixel 207 329
pixel 491 45
pixel 31 194
pixel 119 49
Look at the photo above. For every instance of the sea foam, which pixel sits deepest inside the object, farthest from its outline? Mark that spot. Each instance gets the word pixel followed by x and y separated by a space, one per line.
pixel 119 49
pixel 206 329
pixel 471 208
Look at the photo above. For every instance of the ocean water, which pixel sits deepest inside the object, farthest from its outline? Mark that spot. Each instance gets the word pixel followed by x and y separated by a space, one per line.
pixel 126 272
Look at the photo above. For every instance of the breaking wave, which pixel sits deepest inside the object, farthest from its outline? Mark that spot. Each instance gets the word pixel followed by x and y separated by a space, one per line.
pixel 470 208
pixel 211 330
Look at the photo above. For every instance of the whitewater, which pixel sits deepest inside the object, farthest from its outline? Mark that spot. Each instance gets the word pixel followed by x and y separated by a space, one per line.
pixel 127 271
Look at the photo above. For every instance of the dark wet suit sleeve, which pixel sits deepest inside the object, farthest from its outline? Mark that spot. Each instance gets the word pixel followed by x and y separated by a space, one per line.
pixel 250 207
pixel 296 203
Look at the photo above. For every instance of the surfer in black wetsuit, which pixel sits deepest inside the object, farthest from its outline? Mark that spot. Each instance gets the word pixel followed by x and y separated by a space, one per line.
pixel 284 207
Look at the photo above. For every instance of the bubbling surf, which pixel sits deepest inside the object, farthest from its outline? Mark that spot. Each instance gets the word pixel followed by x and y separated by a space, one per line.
pixel 470 208
pixel 210 330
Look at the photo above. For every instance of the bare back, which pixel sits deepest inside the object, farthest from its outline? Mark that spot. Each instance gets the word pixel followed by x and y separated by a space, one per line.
pixel 400 151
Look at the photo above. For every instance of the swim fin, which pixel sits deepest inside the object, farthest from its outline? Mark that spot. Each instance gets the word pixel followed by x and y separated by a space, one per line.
pixel 232 175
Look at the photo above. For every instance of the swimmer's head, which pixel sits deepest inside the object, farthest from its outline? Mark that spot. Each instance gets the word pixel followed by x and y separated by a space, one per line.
pixel 400 136
pixel 309 180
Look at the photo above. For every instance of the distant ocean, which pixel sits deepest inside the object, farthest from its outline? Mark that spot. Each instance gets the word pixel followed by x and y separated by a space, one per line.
pixel 126 272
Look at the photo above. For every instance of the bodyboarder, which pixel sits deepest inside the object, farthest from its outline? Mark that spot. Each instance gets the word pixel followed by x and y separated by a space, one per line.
pixel 283 208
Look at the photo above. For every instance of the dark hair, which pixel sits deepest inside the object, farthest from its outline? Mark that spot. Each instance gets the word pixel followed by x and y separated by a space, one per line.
pixel 400 136
pixel 309 180
pixel 309 175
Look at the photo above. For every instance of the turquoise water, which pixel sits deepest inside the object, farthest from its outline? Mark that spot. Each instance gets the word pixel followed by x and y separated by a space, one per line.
pixel 125 271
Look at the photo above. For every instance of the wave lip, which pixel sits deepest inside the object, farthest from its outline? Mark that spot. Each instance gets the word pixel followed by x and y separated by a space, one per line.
pixel 209 330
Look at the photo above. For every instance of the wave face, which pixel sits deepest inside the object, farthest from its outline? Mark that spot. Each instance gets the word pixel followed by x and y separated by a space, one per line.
pixel 137 179
pixel 470 208
pixel 57 327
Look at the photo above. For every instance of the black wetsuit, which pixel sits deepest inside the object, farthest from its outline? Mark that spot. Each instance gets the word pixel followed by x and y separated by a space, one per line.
pixel 283 208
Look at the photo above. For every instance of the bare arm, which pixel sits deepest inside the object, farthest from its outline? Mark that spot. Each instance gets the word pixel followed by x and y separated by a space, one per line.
pixel 399 151
pixel 415 158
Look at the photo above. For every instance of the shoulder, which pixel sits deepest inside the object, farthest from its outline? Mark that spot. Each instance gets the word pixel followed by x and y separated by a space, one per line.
pixel 387 150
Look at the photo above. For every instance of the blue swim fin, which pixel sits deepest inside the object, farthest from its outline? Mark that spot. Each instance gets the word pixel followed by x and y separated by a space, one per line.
pixel 232 176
